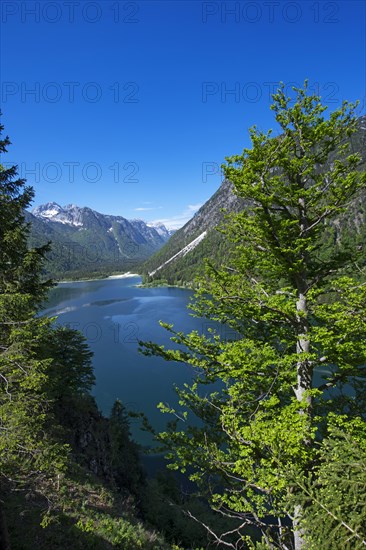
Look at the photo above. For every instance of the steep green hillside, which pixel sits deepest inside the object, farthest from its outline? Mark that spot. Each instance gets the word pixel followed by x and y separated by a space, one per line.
pixel 181 270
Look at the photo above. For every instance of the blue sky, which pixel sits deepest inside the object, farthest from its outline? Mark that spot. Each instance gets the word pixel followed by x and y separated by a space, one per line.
pixel 131 107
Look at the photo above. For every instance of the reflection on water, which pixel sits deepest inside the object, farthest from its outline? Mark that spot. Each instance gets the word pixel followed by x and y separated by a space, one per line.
pixel 105 302
pixel 58 294
pixel 53 312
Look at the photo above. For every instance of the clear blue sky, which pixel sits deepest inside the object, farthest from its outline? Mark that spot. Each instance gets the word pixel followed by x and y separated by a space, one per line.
pixel 131 111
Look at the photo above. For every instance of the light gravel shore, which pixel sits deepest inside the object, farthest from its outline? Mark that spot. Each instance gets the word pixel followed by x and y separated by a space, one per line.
pixel 123 275
pixel 120 276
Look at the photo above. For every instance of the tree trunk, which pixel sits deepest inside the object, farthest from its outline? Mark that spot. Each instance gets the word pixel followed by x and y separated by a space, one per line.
pixel 304 382
pixel 299 541
pixel 304 371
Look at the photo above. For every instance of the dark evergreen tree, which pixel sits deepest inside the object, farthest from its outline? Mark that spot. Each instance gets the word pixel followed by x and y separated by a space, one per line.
pixel 71 371
pixel 21 268
pixel 125 462
pixel 29 455
pixel 333 495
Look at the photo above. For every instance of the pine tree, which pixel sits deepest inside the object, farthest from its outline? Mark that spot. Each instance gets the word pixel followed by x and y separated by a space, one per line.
pixel 125 462
pixel 21 268
pixel 332 495
pixel 29 455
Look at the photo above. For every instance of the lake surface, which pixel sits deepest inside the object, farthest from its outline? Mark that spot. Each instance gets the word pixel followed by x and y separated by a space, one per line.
pixel 113 314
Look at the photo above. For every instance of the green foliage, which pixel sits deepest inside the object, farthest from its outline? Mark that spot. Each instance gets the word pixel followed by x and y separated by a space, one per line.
pixel 119 532
pixel 71 370
pixel 295 344
pixel 28 452
pixel 21 268
pixel 333 495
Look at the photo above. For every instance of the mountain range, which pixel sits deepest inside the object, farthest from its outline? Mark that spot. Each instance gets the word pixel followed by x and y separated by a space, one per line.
pixel 86 242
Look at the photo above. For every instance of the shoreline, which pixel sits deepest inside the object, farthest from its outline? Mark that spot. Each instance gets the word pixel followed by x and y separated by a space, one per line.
pixel 119 276
pixel 125 275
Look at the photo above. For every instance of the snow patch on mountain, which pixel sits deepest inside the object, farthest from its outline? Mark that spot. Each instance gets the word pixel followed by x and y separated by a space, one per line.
pixel 82 217
pixel 54 212
pixel 182 252
pixel 160 229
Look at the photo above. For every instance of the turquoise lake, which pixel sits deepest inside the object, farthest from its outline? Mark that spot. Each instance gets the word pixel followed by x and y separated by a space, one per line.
pixel 113 314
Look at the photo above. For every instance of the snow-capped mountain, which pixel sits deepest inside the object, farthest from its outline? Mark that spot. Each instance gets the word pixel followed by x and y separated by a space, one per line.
pixel 69 214
pixel 161 229
pixel 84 217
pixel 96 241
